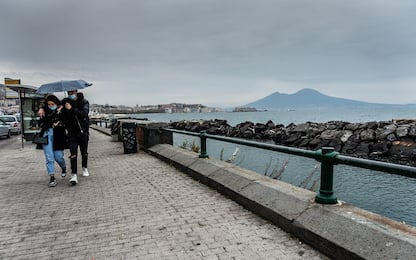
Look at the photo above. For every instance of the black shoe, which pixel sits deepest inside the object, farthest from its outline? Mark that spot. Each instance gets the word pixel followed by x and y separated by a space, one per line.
pixel 52 182
pixel 63 174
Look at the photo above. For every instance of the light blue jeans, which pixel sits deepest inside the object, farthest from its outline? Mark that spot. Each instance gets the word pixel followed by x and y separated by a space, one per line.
pixel 51 156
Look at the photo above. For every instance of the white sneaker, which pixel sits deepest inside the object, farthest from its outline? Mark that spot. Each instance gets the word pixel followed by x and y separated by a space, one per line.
pixel 74 179
pixel 85 172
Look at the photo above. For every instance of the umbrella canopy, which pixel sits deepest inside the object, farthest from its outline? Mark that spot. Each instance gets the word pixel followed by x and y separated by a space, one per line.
pixel 62 86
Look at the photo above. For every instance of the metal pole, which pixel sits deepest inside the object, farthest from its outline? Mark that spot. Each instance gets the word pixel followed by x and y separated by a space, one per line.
pixel 203 137
pixel 326 194
pixel 21 116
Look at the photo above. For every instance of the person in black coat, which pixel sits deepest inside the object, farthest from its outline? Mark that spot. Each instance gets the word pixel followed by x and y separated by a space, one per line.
pixel 52 127
pixel 76 109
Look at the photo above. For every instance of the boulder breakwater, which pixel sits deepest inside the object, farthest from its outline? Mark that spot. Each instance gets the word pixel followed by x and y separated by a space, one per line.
pixel 390 141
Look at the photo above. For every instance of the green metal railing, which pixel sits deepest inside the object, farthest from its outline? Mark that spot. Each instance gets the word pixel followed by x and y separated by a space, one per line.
pixel 326 156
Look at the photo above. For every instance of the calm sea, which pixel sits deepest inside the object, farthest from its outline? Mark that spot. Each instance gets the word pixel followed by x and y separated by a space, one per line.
pixel 386 194
pixel 293 116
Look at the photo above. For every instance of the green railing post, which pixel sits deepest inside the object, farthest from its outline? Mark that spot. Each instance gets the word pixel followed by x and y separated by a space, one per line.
pixel 203 137
pixel 326 194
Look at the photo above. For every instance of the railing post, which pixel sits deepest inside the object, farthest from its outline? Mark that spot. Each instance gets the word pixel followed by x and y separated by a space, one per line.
pixel 326 193
pixel 203 137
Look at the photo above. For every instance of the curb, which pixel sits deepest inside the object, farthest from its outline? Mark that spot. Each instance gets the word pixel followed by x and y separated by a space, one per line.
pixel 106 131
pixel 340 231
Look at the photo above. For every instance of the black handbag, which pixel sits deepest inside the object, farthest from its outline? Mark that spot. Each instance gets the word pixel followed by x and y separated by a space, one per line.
pixel 38 139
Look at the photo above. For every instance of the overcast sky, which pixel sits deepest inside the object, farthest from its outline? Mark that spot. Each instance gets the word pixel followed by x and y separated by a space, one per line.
pixel 215 52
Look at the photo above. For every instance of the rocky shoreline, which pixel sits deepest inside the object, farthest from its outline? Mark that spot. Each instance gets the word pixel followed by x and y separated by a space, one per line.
pixel 390 141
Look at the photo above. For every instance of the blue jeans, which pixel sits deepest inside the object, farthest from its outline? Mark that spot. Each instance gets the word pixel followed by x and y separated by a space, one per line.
pixel 51 156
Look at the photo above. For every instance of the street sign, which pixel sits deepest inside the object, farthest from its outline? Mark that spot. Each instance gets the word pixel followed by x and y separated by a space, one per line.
pixel 8 81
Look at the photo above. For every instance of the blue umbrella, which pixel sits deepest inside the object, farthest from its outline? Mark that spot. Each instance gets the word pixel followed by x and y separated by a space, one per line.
pixel 62 86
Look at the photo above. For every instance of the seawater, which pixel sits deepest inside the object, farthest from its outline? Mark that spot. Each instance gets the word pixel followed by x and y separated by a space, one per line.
pixel 389 195
pixel 293 116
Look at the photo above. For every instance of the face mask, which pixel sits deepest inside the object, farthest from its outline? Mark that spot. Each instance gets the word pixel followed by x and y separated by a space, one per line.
pixel 72 97
pixel 52 107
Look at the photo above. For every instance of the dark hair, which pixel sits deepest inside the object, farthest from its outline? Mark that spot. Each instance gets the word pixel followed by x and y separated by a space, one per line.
pixel 53 98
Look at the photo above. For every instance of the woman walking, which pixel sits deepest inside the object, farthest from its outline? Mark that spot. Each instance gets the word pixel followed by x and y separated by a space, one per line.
pixel 52 127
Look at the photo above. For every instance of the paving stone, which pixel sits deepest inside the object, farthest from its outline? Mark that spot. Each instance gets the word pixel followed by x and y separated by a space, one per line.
pixel 132 206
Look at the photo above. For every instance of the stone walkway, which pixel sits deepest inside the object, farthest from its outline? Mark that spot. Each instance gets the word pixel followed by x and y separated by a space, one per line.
pixel 132 206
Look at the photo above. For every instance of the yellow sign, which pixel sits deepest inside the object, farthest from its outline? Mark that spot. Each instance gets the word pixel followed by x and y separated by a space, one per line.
pixel 10 81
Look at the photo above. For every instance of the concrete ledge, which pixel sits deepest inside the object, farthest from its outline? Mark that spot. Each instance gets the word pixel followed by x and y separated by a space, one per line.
pixel 340 231
pixel 106 131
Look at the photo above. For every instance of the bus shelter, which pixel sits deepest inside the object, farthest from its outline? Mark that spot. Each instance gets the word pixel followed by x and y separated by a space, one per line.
pixel 29 104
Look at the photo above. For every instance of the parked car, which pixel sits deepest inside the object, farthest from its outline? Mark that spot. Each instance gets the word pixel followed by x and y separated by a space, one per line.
pixel 13 122
pixel 4 129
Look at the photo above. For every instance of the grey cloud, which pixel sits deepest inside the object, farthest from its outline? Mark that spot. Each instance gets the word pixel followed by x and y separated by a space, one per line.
pixel 186 43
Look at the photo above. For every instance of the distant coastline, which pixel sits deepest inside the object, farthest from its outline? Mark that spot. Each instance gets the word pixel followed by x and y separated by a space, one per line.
pixel 247 109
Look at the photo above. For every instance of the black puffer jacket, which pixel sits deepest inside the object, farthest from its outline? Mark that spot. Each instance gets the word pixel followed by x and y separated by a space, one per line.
pixel 78 113
pixel 60 141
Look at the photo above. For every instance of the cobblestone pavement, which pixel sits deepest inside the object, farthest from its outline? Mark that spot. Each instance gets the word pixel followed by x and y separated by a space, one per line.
pixel 132 206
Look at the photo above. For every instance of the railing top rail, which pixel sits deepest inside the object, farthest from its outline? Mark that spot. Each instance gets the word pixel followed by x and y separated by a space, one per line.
pixel 335 158
pixel 397 169
pixel 181 132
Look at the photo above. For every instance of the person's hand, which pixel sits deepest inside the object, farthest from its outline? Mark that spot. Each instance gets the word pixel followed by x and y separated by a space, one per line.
pixel 59 109
pixel 41 112
pixel 68 106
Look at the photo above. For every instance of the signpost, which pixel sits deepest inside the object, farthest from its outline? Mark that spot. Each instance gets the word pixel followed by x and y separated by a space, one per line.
pixel 9 81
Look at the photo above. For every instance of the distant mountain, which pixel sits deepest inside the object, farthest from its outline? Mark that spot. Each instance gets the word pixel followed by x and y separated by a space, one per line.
pixel 306 98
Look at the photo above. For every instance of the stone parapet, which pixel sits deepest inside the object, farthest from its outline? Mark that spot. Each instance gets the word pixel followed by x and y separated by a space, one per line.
pixel 340 231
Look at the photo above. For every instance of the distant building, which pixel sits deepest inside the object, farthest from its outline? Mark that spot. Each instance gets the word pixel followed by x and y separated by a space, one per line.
pixel 245 109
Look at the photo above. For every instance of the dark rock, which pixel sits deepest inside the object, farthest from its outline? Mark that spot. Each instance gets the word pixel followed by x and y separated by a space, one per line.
pixel 269 134
pixel 315 144
pixel 329 134
pixel 212 130
pixel 260 128
pixel 352 127
pixel 386 130
pixel 304 143
pixel 372 125
pixel 336 125
pixel 412 131
pixel 391 137
pixel 270 124
pixel 349 148
pixel 363 149
pixel 292 139
pixel 302 128
pixel 245 127
pixel 336 144
pixel 403 152
pixel 368 135
pixel 248 134
pixel 346 134
pixel 381 148
pixel 280 136
pixel 402 131
pixel 194 128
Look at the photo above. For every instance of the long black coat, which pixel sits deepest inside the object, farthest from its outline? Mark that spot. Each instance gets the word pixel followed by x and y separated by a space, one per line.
pixel 60 140
pixel 76 119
